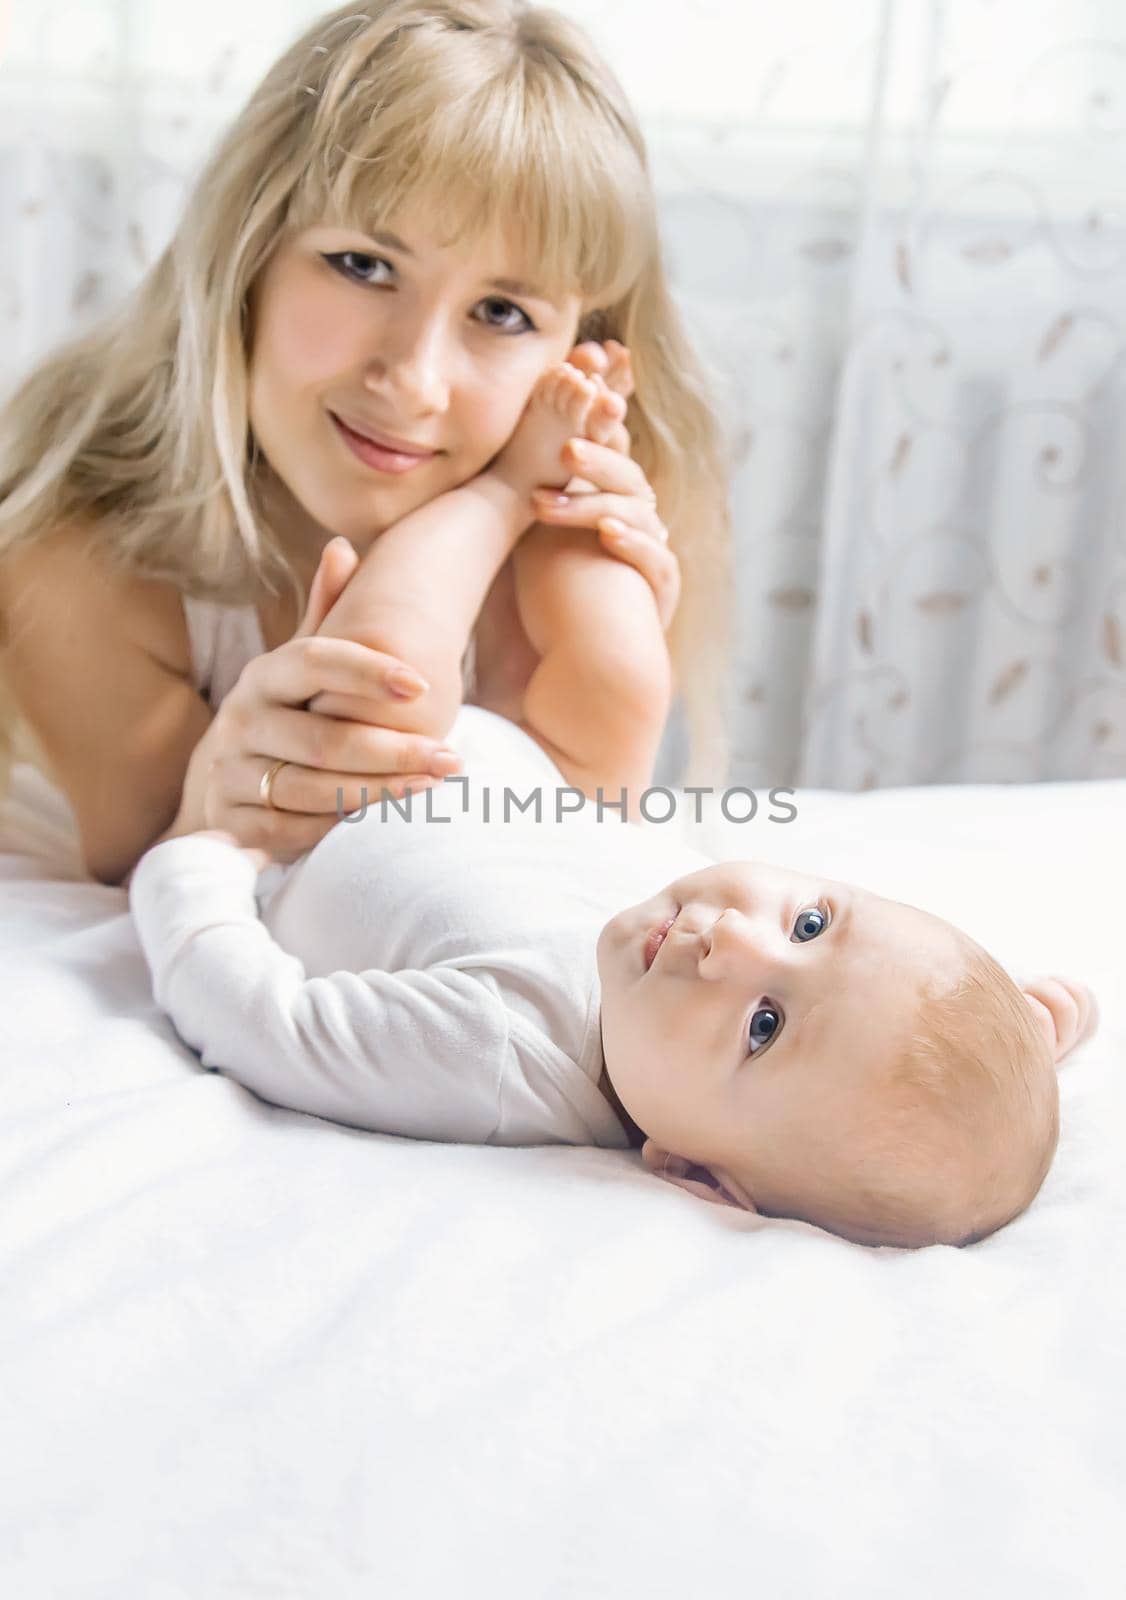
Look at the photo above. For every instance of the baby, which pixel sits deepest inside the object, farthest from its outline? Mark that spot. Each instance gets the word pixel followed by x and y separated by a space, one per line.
pixel 797 1047
pixel 467 972
pixel 831 1055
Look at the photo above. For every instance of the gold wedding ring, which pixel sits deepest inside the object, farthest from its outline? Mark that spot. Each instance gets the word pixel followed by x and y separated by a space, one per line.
pixel 265 787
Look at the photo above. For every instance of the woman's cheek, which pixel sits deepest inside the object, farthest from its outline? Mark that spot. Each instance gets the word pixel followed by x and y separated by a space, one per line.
pixel 494 426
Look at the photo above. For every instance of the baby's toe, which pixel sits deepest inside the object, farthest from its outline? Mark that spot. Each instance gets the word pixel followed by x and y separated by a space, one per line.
pixel 550 386
pixel 619 371
pixel 606 411
pixel 574 397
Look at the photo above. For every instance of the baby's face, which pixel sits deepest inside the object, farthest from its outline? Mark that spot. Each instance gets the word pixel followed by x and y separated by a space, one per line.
pixel 767 1018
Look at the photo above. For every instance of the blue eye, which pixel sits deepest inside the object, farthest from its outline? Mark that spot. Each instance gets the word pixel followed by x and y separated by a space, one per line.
pixel 809 924
pixel 525 322
pixel 338 258
pixel 764 1025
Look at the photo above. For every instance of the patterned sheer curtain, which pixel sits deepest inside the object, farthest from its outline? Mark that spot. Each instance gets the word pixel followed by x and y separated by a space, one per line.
pixel 896 230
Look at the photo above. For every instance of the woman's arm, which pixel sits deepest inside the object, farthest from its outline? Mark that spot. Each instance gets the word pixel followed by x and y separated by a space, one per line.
pixel 88 653
pixel 114 724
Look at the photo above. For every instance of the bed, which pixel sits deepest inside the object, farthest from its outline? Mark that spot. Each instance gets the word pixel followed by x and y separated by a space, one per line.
pixel 249 1353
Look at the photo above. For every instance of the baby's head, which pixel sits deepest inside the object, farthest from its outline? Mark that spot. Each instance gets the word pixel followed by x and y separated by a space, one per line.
pixel 825 1054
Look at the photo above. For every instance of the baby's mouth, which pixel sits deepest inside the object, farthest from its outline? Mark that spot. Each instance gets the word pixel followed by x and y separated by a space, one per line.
pixel 656 939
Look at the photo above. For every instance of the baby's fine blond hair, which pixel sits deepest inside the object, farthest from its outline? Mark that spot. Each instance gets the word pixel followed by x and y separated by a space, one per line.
pixel 966 1124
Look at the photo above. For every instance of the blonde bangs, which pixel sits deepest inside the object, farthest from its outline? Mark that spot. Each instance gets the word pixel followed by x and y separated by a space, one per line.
pixel 480 140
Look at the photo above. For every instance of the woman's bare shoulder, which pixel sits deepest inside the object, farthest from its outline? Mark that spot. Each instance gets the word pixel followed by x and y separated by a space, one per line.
pixel 66 561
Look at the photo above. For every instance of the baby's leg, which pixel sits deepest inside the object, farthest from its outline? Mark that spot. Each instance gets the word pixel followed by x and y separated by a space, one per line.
pixel 544 575
pixel 599 698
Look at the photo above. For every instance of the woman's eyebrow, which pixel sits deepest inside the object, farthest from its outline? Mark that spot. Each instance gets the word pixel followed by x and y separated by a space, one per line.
pixel 391 241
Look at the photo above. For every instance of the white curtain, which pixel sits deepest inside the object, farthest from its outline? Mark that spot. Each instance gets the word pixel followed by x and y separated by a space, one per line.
pixel 896 229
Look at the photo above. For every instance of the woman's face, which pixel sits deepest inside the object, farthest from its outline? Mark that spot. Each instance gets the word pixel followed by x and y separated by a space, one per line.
pixel 397 337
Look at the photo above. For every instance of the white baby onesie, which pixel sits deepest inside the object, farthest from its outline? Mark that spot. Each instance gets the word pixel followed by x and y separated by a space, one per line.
pixel 432 976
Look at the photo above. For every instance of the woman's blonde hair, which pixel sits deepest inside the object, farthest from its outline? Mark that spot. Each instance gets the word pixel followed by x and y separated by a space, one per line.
pixel 140 428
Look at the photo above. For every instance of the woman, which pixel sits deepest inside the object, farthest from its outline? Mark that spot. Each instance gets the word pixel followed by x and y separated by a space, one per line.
pixel 161 474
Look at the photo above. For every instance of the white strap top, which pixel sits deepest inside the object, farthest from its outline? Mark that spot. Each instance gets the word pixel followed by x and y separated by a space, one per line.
pixel 223 639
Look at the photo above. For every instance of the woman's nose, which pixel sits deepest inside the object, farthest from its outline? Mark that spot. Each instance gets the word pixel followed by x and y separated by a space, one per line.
pixel 412 368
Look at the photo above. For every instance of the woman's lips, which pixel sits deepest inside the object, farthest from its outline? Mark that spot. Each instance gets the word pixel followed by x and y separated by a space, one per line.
pixel 375 455
pixel 656 939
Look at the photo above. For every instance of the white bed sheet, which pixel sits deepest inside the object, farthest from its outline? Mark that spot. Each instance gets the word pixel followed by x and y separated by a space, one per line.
pixel 244 1352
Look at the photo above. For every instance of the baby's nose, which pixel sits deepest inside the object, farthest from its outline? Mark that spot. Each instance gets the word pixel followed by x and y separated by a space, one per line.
pixel 738 941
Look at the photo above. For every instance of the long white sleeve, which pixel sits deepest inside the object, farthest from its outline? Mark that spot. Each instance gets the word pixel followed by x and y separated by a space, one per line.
pixel 420 1053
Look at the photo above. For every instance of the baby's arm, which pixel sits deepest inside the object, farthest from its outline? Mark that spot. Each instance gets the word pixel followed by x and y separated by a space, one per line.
pixel 599 699
pixel 420 1053
pixel 417 592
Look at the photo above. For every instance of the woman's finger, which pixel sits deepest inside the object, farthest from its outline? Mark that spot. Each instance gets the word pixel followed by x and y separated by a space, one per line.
pixel 655 562
pixel 587 510
pixel 281 733
pixel 298 790
pixel 299 669
pixel 607 468
pixel 605 429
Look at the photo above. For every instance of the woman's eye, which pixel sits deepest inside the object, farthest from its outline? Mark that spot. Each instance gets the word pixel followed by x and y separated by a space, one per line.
pixel 764 1025
pixel 340 259
pixel 809 924
pixel 343 256
pixel 524 323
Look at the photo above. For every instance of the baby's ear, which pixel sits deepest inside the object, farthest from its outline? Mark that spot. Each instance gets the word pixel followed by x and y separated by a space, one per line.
pixel 1066 1012
pixel 1044 1018
pixel 697 1180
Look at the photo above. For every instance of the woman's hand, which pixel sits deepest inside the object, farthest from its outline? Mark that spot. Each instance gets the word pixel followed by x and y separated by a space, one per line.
pixel 323 763
pixel 616 497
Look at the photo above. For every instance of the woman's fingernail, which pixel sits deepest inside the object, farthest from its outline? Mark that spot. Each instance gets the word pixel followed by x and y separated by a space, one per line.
pixel 444 761
pixel 550 498
pixel 406 685
pixel 614 528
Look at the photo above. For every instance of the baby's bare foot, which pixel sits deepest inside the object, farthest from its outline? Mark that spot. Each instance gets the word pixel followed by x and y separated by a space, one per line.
pixel 619 370
pixel 610 361
pixel 610 366
pixel 558 409
pixel 606 412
